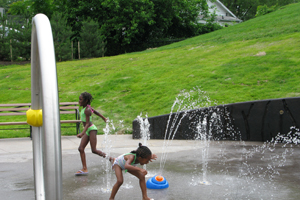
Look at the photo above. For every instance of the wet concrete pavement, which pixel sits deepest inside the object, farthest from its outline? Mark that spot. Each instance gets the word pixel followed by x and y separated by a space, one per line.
pixel 231 170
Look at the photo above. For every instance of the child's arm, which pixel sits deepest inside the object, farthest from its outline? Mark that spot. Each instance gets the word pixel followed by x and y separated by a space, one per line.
pixel 100 115
pixel 130 167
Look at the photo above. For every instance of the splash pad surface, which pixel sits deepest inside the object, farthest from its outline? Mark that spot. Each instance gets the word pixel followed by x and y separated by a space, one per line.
pixel 235 170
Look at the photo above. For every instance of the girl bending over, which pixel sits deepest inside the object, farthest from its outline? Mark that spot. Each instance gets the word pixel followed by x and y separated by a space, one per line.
pixel 128 163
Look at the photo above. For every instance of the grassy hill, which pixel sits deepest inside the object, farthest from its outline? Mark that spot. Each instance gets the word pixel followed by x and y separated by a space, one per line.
pixel 255 60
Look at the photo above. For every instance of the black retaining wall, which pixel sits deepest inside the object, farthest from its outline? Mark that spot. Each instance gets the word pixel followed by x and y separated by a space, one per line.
pixel 249 121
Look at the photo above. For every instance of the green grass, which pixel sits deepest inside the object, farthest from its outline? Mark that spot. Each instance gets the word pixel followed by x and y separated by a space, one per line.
pixel 222 63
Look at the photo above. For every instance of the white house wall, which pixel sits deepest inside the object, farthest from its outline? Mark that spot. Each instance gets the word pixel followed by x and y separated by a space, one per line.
pixel 221 9
pixel 216 7
pixel 224 15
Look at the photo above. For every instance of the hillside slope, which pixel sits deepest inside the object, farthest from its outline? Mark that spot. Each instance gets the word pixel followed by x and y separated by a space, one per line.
pixel 255 60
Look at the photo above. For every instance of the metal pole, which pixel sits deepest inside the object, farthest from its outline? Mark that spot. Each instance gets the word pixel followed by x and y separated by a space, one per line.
pixel 37 141
pixel 48 140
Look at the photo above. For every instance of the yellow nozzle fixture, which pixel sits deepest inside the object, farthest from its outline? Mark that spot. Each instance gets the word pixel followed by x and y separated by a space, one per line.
pixel 34 117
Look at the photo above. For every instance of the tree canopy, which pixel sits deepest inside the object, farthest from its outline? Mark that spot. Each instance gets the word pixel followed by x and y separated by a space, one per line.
pixel 131 25
pixel 246 9
pixel 124 22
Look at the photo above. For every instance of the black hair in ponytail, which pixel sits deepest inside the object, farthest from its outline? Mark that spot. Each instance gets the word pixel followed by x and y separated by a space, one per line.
pixel 142 151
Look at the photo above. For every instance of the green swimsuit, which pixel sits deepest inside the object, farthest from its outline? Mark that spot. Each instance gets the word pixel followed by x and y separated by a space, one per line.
pixel 83 119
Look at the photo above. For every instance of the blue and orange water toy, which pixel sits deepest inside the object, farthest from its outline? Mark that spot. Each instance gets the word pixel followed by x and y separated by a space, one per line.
pixel 157 182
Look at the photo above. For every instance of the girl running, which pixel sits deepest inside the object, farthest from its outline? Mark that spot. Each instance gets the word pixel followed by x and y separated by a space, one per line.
pixel 89 133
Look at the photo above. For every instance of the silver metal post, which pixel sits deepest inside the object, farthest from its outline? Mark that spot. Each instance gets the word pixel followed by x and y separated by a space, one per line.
pixel 46 139
pixel 37 141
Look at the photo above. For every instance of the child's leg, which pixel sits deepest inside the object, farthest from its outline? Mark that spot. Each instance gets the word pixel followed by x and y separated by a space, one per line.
pixel 119 175
pixel 142 179
pixel 83 143
pixel 93 142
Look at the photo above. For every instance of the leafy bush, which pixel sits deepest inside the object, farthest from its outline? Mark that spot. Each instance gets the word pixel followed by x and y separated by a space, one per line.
pixel 262 10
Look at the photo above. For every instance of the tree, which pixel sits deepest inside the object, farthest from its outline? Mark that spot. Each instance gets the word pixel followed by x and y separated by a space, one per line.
pixel 91 43
pixel 29 8
pixel 185 14
pixel 4 40
pixel 5 4
pixel 16 38
pixel 61 37
pixel 43 6
pixel 126 22
pixel 22 8
pixel 20 37
pixel 246 9
pixel 120 21
pixel 243 9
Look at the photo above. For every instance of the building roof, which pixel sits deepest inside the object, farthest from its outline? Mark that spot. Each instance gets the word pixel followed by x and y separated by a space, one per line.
pixel 228 19
pixel 223 14
pixel 223 6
